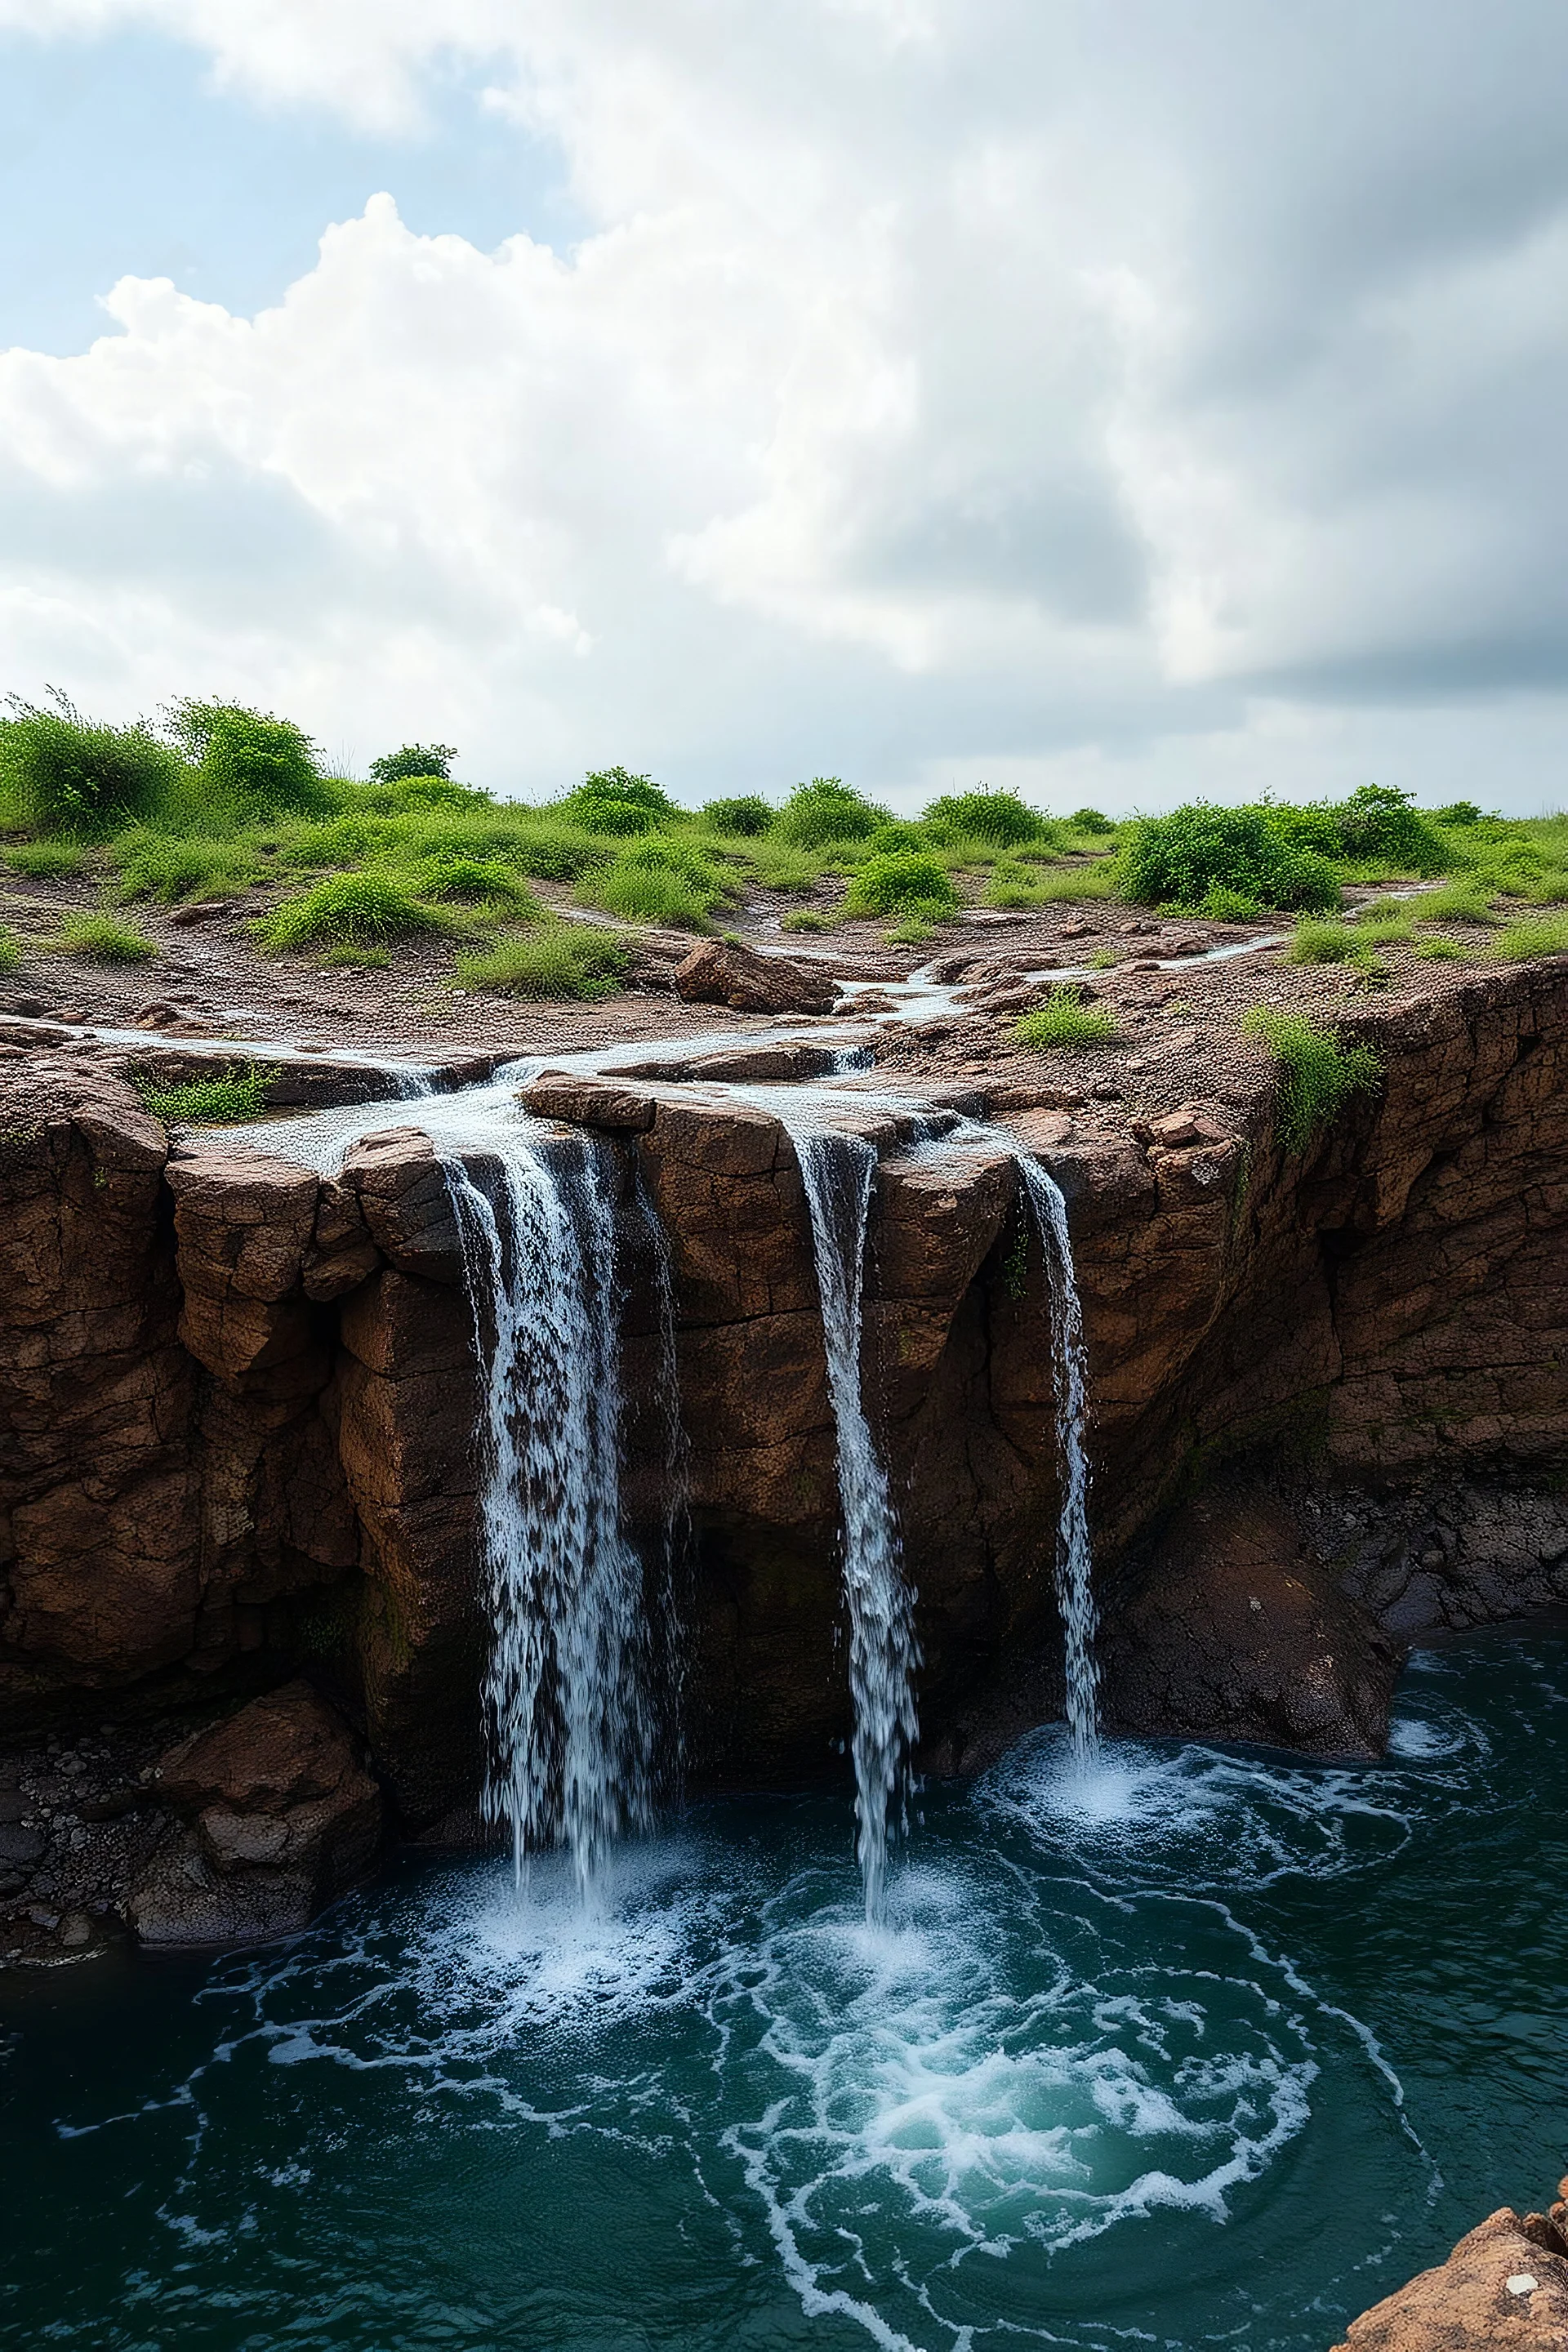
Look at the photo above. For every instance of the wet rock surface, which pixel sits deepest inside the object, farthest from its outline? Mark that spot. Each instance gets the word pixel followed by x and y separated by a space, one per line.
pixel 239 1399
pixel 1504 2285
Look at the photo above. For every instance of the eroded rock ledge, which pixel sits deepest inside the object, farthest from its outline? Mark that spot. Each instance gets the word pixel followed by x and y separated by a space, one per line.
pixel 1330 1412
pixel 1504 2285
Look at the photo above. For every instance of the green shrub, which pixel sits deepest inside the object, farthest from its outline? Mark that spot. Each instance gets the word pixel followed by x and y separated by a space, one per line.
pixel 1317 1075
pixel 261 766
pixel 1457 902
pixel 808 919
pixel 421 760
pixel 1443 950
pixel 1065 1020
pixel 995 816
pixel 1457 812
pixel 189 866
pixel 351 910
pixel 414 793
pixel 612 801
pixel 47 861
pixel 1176 860
pixel 1222 905
pixel 1540 935
pixel 99 939
pixel 907 882
pixel 240 1093
pixel 1380 823
pixel 61 773
pixel 782 866
pixel 827 810
pixel 559 960
pixel 1320 942
pixel 656 881
pixel 897 834
pixel 748 814
pixel 477 882
pixel 1091 821
pixel 10 949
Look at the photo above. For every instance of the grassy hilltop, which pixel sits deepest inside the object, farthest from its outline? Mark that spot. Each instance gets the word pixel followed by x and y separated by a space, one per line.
pixel 220 800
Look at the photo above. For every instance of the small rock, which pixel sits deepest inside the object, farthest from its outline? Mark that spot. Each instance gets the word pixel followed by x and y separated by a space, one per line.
pixel 75 1930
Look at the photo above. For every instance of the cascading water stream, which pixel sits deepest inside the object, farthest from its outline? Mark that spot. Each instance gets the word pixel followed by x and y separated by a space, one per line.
pixel 839 1172
pixel 566 1691
pixel 1074 1562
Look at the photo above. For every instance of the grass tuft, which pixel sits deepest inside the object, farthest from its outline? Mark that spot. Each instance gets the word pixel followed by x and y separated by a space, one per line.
pixel 1065 1020
pixel 351 910
pixel 910 883
pixel 10 949
pixel 46 861
pixel 1536 935
pixel 238 1094
pixel 1317 1076
pixel 101 939
pixel 559 960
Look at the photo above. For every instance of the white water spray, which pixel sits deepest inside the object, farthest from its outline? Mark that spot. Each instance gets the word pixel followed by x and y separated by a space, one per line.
pixel 839 1172
pixel 567 1696
pixel 1074 1562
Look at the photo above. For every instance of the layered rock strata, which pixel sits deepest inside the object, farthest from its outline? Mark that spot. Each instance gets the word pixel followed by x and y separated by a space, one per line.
pixel 1329 1405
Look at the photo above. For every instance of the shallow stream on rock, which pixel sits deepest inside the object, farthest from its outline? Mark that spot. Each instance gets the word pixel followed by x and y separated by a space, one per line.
pixel 1213 2048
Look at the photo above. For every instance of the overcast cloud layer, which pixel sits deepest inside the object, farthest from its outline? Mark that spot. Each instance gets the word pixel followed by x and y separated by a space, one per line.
pixel 1122 401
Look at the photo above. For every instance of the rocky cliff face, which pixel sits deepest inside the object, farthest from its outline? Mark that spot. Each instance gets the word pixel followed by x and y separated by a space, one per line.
pixel 1330 1409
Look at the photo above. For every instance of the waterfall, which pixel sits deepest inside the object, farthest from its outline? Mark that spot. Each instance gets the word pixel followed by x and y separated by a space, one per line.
pixel 1074 1562
pixel 567 1693
pixel 839 1172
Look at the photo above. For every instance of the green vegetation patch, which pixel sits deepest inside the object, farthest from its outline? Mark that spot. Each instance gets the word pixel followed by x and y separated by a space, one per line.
pixel 1317 1075
pixel 350 911
pixel 656 880
pixel 748 814
pixel 187 866
pixel 559 960
pixel 100 937
pixel 63 773
pixel 47 861
pixel 998 817
pixel 238 1094
pixel 1541 935
pixel 828 811
pixel 1065 1020
pixel 910 883
pixel 1176 860
pixel 10 949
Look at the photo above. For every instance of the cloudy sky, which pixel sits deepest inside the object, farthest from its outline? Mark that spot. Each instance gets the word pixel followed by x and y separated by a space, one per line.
pixel 1118 398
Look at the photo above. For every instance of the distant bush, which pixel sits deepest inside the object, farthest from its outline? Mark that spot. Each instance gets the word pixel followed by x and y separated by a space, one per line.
pixel 907 882
pixel 262 766
pixel 808 919
pixel 1177 860
pixel 1320 942
pixel 1065 1020
pixel 827 810
pixel 1091 821
pixel 1380 823
pixel 98 938
pixel 1457 812
pixel 239 1093
pixel 998 816
pixel 62 774
pixel 1317 1075
pixel 416 793
pixel 351 910
pixel 559 960
pixel 612 801
pixel 414 760
pixel 748 814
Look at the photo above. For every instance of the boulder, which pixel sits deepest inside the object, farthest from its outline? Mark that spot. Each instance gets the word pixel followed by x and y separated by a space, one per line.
pixel 402 1191
pixel 717 973
pixel 279 1814
pixel 588 1101
pixel 1505 2284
